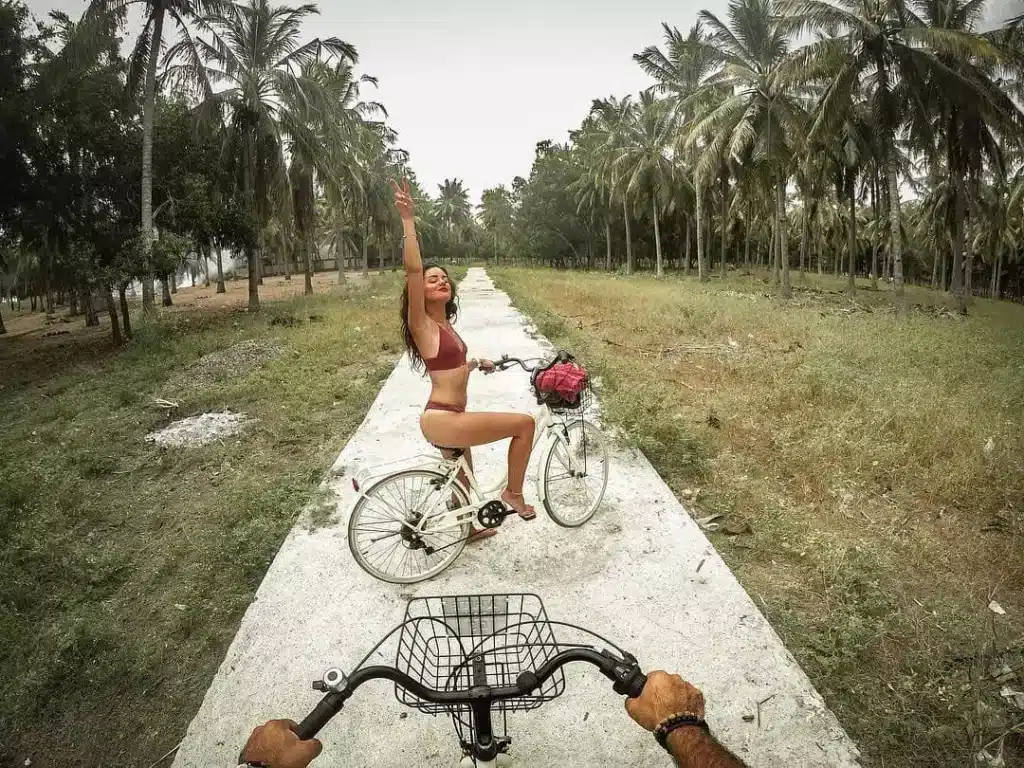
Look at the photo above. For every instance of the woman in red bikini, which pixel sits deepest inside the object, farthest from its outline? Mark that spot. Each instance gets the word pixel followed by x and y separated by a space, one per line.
pixel 428 308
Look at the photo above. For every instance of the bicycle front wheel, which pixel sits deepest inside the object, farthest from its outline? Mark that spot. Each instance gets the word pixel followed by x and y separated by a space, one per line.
pixel 575 474
pixel 383 535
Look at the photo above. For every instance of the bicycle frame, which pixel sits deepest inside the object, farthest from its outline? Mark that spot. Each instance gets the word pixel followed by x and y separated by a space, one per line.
pixel 546 429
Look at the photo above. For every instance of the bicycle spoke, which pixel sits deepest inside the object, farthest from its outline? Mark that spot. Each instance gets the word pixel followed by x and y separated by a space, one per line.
pixel 403 530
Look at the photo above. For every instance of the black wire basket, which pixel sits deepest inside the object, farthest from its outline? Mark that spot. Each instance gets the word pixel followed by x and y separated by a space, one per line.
pixel 454 643
pixel 557 402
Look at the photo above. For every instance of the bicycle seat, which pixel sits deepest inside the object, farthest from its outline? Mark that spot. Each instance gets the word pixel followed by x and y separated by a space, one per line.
pixel 456 453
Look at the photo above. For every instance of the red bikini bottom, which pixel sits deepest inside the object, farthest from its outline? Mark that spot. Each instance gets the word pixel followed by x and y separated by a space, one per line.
pixel 433 405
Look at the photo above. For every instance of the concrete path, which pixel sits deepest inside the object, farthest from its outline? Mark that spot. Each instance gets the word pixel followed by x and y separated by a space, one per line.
pixel 631 574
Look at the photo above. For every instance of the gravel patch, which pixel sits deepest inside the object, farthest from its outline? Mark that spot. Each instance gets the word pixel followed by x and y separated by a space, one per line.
pixel 236 360
pixel 203 429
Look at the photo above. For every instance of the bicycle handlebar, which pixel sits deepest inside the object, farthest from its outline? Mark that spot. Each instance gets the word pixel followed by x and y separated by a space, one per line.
pixel 624 673
pixel 504 362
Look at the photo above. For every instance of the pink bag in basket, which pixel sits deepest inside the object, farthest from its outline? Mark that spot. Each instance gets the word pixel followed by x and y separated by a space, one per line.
pixel 566 380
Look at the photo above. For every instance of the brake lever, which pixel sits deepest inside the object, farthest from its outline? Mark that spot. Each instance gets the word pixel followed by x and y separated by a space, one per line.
pixel 626 675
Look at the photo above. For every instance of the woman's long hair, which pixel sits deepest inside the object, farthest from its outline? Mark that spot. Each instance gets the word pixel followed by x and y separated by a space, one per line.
pixel 451 312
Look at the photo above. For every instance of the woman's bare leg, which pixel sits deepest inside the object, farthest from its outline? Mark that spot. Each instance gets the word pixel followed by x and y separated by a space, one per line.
pixel 459 430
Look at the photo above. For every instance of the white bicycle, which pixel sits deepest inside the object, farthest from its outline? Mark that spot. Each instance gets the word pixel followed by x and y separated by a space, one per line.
pixel 472 656
pixel 412 524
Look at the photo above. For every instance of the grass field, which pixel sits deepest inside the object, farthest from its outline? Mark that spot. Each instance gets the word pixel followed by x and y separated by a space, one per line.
pixel 124 567
pixel 867 475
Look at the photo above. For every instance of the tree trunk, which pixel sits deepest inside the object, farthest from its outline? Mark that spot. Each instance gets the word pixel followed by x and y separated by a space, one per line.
pixel 998 276
pixel 821 254
pixel 935 270
pixel 774 253
pixel 121 291
pixel 148 110
pixel 851 285
pixel 805 233
pixel 115 325
pixel 289 257
pixel 746 249
pixel 875 232
pixel 702 266
pixel 251 256
pixel 221 288
pixel 259 264
pixel 959 214
pixel 688 253
pixel 307 267
pixel 896 245
pixel 659 270
pixel 73 304
pixel 787 288
pixel 254 279
pixel 608 244
pixel 32 302
pixel 629 239
pixel 2 328
pixel 724 215
pixel 945 266
pixel 165 288
pixel 204 252
pixel 91 319
pixel 366 249
pixel 340 256
pixel 174 283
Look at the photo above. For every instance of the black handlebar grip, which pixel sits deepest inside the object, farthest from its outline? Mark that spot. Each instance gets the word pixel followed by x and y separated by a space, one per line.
pixel 636 685
pixel 328 707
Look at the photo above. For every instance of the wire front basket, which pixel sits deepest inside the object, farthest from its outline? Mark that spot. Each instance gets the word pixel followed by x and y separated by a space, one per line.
pixel 458 642
pixel 558 402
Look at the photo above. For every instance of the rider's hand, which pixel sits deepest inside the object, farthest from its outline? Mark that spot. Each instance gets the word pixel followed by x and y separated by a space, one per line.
pixel 276 744
pixel 664 695
pixel 403 199
pixel 485 365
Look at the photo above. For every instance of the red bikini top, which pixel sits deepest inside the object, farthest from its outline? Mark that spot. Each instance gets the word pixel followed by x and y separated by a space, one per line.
pixel 451 352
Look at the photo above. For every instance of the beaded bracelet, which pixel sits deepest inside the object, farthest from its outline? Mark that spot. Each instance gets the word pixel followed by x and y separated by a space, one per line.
pixel 678 720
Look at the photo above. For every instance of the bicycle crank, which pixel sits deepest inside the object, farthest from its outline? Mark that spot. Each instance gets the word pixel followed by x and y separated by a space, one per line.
pixel 492 514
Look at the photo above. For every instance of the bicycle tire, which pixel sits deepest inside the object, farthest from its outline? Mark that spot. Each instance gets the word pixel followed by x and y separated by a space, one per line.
pixel 596 447
pixel 450 549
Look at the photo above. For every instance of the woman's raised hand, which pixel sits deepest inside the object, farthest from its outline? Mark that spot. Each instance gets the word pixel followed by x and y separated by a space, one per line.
pixel 403 199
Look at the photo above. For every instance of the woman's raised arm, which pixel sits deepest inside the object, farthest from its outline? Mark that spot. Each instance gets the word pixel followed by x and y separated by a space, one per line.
pixel 418 322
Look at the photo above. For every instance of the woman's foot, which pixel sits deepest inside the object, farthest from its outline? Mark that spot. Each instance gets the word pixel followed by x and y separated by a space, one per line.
pixel 518 503
pixel 479 534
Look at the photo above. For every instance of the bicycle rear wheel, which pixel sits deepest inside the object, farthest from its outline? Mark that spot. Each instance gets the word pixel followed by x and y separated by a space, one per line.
pixel 381 530
pixel 575 474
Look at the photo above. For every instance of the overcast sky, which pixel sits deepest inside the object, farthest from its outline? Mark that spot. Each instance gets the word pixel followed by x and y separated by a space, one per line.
pixel 471 87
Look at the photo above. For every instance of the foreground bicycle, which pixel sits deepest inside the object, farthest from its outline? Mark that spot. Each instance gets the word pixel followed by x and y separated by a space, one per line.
pixel 474 656
pixel 412 524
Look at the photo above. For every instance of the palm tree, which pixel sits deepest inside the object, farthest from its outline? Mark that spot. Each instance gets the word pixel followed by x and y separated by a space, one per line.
pixel 496 211
pixel 882 49
pixel 745 112
pixel 593 196
pixel 612 115
pixel 641 159
pixel 679 72
pixel 332 158
pixel 252 52
pixel 143 64
pixel 453 205
pixel 967 127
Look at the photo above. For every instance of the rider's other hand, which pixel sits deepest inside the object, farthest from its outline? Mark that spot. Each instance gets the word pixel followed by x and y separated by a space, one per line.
pixel 276 744
pixel 403 199
pixel 486 366
pixel 664 695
